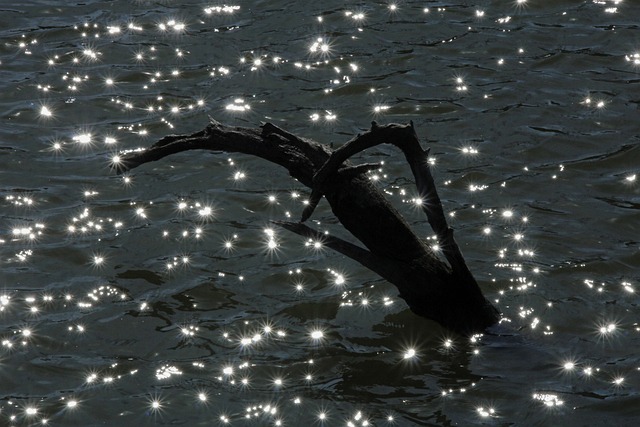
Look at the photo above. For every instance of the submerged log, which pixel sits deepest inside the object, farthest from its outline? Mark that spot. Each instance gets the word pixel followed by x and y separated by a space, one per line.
pixel 445 292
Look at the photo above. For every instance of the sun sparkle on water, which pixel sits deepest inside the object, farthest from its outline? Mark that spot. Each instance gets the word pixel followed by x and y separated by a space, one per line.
pixel 332 59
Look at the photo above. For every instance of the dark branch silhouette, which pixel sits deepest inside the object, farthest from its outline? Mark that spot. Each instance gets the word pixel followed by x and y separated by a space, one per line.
pixel 442 291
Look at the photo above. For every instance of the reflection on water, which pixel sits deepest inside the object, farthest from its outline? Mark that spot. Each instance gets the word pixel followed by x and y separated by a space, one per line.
pixel 167 297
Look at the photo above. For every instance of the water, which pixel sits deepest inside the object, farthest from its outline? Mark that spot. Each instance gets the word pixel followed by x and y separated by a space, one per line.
pixel 155 298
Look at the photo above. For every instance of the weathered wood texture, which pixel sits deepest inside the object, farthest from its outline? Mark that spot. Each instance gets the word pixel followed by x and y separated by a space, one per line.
pixel 442 291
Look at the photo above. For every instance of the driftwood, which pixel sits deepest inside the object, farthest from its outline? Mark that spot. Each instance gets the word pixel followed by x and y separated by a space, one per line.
pixel 445 292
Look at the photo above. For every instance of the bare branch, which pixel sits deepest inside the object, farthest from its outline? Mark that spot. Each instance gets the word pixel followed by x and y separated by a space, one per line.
pixel 445 293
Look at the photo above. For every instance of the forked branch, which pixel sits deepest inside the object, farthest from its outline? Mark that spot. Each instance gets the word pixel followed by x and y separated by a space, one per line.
pixel 445 293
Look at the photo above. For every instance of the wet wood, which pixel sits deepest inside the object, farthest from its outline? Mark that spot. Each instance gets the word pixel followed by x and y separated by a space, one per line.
pixel 442 290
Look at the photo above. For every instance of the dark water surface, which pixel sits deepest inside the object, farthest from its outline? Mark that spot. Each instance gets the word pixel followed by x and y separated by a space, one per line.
pixel 163 298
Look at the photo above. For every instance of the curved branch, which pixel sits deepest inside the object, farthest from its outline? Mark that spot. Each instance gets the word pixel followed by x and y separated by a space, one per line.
pixel 445 293
pixel 405 138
